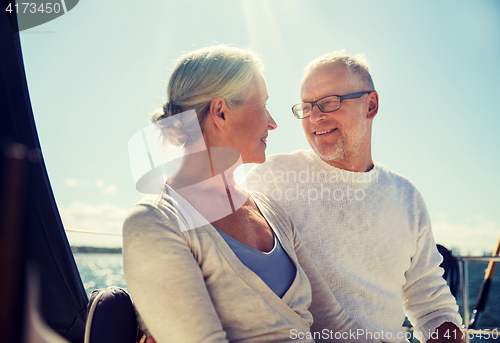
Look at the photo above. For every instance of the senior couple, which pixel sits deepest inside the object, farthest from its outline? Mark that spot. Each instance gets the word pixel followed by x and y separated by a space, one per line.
pixel 269 265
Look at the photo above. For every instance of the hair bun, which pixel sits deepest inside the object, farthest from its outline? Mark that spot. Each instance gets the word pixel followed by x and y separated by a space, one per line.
pixel 169 124
pixel 169 109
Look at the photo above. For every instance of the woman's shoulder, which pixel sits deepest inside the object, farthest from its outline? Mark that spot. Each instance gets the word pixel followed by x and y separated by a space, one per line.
pixel 152 212
pixel 268 204
pixel 152 205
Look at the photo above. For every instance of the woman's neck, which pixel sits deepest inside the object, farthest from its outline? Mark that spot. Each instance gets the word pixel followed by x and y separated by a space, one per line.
pixel 204 169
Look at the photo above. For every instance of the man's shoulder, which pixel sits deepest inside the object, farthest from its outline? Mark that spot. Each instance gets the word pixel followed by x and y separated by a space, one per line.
pixel 397 180
pixel 396 177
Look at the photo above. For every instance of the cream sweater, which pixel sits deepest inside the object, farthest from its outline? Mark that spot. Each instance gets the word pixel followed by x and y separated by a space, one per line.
pixel 189 286
pixel 370 236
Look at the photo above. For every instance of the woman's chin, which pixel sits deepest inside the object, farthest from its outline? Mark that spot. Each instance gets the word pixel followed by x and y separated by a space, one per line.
pixel 260 160
pixel 256 160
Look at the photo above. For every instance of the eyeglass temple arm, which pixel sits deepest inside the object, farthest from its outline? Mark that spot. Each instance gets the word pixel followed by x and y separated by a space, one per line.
pixel 352 96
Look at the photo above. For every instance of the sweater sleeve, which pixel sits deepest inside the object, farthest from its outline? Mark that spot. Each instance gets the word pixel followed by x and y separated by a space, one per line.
pixel 331 321
pixel 427 299
pixel 165 280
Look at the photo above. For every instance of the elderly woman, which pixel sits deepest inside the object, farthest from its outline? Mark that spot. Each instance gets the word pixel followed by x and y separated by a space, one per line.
pixel 206 261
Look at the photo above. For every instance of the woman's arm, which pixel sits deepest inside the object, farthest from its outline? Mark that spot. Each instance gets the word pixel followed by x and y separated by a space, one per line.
pixel 165 280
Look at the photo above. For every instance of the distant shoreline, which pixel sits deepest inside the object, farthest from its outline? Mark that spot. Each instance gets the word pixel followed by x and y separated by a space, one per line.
pixel 100 250
pixel 96 250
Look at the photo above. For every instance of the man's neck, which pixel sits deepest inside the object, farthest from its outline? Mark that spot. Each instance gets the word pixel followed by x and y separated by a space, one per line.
pixel 353 164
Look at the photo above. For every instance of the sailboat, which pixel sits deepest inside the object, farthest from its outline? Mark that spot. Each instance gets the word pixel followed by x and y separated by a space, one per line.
pixel 31 229
pixel 34 251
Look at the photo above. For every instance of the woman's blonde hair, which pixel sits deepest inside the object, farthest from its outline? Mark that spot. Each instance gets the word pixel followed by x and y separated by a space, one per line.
pixel 198 78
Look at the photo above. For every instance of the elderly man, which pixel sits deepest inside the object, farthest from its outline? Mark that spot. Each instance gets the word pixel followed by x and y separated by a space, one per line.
pixel 366 227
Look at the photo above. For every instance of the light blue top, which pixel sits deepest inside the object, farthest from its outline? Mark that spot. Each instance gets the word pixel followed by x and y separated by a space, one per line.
pixel 274 268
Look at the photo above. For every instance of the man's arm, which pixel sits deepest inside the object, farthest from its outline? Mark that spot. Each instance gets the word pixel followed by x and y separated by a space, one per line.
pixel 427 299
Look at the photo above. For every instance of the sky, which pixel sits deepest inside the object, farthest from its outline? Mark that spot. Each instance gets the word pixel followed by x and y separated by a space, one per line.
pixel 96 73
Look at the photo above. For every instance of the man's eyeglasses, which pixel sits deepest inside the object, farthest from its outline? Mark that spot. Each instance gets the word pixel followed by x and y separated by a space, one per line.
pixel 327 104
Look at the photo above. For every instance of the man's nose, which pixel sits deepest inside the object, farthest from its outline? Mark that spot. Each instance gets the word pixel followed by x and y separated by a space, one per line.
pixel 316 114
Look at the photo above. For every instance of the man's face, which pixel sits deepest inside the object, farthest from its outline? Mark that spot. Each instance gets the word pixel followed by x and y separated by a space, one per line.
pixel 342 134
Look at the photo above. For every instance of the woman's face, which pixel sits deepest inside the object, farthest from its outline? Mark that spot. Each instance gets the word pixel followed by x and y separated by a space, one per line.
pixel 248 124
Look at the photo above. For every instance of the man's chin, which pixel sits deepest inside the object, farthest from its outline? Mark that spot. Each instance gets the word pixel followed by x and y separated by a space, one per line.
pixel 328 153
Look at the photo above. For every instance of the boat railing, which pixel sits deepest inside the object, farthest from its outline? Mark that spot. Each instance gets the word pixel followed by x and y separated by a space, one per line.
pixel 470 333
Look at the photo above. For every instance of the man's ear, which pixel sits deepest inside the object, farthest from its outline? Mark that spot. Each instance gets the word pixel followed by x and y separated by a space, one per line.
pixel 372 105
pixel 217 112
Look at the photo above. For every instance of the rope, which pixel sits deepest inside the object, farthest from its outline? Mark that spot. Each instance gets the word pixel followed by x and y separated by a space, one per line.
pixel 95 232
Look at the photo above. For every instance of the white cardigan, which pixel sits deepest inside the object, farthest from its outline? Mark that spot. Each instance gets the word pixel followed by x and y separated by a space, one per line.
pixel 189 286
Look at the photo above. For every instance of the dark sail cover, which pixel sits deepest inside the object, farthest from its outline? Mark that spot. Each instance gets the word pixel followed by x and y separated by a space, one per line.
pixel 62 296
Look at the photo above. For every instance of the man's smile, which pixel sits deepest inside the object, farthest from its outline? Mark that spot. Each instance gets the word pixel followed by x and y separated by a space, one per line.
pixel 318 133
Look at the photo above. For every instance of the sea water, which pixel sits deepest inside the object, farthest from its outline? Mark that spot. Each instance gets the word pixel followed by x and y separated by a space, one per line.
pixel 491 316
pixel 103 270
pixel 100 270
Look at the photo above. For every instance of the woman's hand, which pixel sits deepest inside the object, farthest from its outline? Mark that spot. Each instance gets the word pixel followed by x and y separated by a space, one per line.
pixel 150 339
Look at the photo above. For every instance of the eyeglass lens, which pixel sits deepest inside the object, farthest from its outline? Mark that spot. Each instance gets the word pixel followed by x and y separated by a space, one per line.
pixel 328 104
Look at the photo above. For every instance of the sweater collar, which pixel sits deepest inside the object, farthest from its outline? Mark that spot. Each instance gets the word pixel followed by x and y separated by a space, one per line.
pixel 343 175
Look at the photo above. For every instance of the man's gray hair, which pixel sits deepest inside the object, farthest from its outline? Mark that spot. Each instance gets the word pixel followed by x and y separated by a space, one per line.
pixel 357 65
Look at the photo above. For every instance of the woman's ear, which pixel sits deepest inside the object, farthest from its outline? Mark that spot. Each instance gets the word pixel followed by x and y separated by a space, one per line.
pixel 217 112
